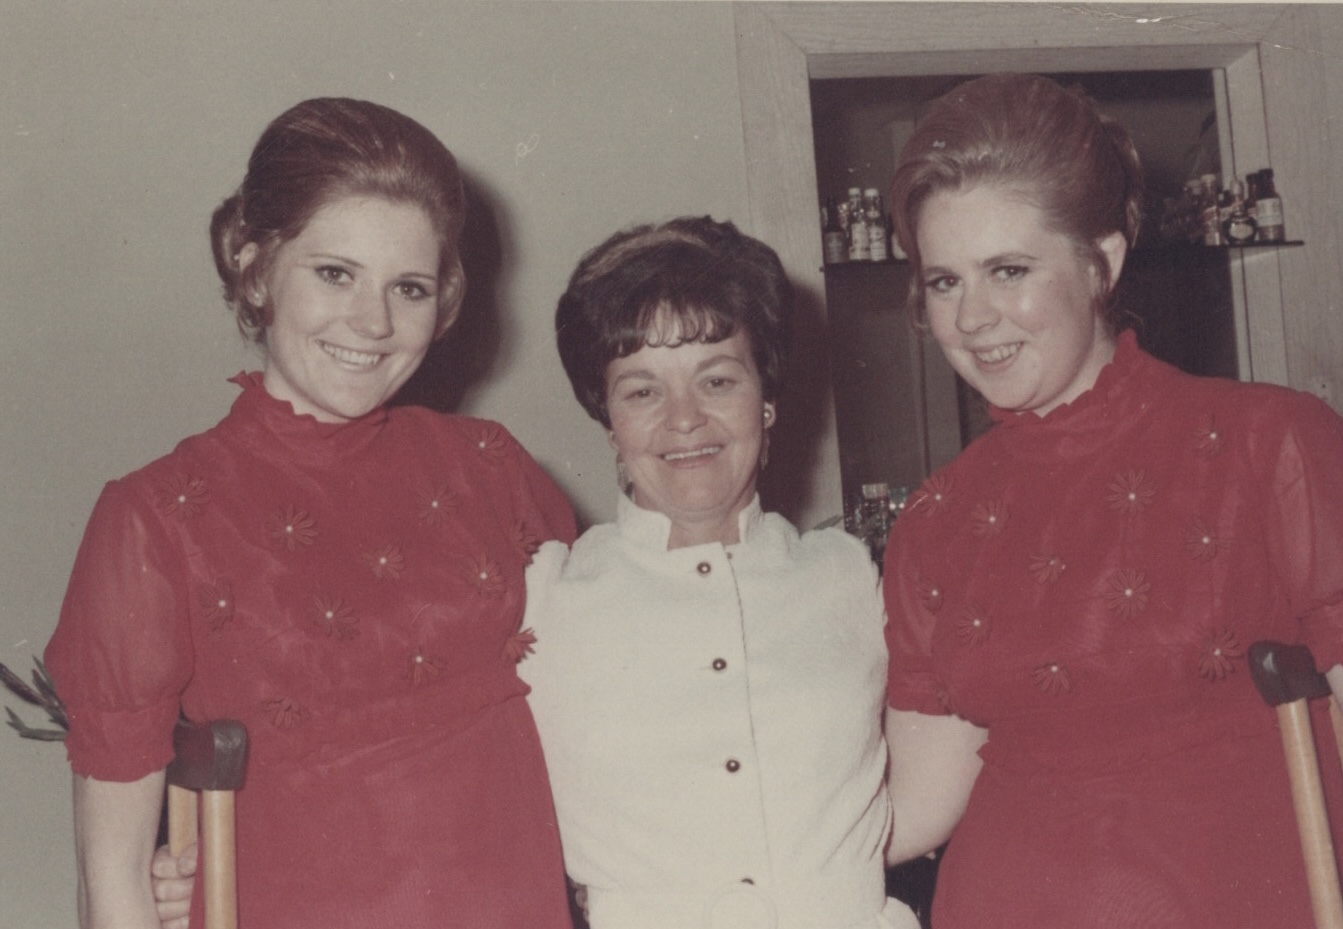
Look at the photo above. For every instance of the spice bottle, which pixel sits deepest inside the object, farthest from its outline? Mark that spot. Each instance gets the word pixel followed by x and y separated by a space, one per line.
pixel 1268 207
pixel 1239 227
pixel 860 248
pixel 875 217
pixel 834 242
pixel 1210 220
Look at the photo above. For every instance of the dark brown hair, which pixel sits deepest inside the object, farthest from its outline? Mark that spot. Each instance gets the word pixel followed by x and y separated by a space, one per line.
pixel 1047 142
pixel 319 151
pixel 705 276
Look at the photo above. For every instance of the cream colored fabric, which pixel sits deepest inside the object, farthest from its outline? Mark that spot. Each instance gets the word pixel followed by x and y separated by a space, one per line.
pixel 711 723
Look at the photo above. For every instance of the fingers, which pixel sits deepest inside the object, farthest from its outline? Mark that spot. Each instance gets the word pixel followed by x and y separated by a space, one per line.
pixel 164 866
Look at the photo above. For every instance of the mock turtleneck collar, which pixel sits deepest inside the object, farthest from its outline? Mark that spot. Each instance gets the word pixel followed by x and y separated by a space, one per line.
pixel 651 529
pixel 302 434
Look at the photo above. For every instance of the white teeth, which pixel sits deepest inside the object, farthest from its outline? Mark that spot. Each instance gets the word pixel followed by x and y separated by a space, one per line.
pixel 363 359
pixel 681 456
pixel 1001 353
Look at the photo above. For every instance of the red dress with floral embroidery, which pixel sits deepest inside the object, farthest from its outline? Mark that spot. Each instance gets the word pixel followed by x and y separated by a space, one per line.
pixel 1085 586
pixel 352 593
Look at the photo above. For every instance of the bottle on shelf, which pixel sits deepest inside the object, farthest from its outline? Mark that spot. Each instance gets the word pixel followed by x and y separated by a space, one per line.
pixel 1210 219
pixel 1239 227
pixel 860 248
pixel 834 241
pixel 1268 209
pixel 875 218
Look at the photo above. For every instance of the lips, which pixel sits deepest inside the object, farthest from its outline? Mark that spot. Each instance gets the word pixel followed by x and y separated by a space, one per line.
pixel 350 356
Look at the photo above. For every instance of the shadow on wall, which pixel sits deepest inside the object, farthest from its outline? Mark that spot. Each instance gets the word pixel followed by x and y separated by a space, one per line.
pixel 462 358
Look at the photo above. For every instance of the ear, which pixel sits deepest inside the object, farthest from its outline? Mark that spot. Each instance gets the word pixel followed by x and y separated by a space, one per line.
pixel 256 288
pixel 450 299
pixel 1115 249
pixel 771 414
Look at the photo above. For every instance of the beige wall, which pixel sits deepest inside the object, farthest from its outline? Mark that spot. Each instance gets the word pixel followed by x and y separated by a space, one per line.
pixel 122 124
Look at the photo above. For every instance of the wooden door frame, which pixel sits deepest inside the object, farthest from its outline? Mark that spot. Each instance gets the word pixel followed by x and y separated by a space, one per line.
pixel 782 46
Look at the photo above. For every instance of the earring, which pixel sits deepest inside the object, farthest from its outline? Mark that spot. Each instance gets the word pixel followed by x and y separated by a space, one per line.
pixel 764 449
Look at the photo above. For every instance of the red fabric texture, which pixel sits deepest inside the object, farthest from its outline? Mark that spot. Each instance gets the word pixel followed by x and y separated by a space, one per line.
pixel 352 593
pixel 1085 586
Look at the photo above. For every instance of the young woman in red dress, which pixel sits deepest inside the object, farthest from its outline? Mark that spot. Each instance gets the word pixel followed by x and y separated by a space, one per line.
pixel 1070 601
pixel 344 577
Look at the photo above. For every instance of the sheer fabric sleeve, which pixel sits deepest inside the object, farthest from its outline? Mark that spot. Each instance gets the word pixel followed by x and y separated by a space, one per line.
pixel 911 681
pixel 1304 524
pixel 121 654
pixel 543 507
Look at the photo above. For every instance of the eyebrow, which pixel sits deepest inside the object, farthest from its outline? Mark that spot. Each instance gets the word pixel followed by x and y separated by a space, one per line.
pixel 643 374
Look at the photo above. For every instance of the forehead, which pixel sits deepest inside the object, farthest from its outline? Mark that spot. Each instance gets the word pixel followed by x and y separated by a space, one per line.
pixel 664 354
pixel 984 220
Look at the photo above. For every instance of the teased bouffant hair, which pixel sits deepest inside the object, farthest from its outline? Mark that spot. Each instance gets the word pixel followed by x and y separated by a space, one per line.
pixel 320 151
pixel 1047 142
pixel 691 279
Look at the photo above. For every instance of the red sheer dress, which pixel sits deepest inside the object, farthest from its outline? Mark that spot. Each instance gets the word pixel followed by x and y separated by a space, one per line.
pixel 1085 586
pixel 352 593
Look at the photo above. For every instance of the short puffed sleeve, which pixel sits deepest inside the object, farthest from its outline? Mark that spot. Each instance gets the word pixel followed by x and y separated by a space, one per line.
pixel 121 654
pixel 1303 519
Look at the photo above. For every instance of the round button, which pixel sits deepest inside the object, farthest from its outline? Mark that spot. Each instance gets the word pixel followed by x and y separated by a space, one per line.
pixel 733 766
pixel 703 567
pixel 719 664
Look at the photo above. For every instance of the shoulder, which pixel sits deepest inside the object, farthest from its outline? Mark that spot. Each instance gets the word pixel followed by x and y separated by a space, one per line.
pixel 485 435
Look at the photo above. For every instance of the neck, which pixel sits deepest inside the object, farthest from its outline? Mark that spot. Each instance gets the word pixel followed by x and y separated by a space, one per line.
pixel 723 531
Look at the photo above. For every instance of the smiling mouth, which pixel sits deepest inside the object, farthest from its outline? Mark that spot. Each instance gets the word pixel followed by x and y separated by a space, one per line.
pixel 693 453
pixel 350 357
pixel 1000 353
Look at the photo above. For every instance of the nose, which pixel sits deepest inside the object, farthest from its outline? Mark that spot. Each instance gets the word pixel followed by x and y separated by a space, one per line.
pixel 976 310
pixel 371 314
pixel 684 413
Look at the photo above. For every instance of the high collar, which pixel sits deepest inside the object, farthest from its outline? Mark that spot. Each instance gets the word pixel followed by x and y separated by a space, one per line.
pixel 1124 391
pixel 652 530
pixel 264 418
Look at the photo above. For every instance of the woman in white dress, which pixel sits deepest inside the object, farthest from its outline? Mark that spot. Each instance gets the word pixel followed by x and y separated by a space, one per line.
pixel 707 681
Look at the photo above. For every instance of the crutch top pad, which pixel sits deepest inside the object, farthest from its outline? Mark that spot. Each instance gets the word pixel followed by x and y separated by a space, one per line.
pixel 1285 673
pixel 209 756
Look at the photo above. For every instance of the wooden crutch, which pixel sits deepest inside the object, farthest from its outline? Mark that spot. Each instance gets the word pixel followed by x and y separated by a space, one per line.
pixel 210 759
pixel 1287 679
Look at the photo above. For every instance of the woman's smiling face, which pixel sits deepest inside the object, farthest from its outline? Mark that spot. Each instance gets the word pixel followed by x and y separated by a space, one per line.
pixel 354 306
pixel 688 421
pixel 1012 303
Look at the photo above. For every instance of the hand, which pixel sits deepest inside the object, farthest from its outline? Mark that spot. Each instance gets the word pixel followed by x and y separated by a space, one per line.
pixel 172 880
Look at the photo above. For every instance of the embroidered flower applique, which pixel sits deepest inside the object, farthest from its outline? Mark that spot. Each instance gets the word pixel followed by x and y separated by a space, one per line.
pixel 1130 492
pixel 335 617
pixel 1201 542
pixel 1052 678
pixel 988 519
pixel 930 594
pixel 292 527
pixel 1046 568
pixel 484 575
pixel 385 562
pixel 933 497
pixel 519 645
pixel 1219 651
pixel 217 603
pixel 1126 593
pixel 435 503
pixel 183 496
pixel 1208 439
pixel 973 627
pixel 489 440
pixel 422 668
pixel 525 542
pixel 286 713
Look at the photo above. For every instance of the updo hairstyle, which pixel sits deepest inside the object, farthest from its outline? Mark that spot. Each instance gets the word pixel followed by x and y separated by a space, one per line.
pixel 320 151
pixel 1049 144
pixel 688 280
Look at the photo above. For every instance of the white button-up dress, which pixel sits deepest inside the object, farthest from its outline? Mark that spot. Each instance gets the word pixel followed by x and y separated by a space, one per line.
pixel 711 720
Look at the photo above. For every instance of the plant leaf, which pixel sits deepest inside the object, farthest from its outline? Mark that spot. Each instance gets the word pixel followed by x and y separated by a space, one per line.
pixel 16 685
